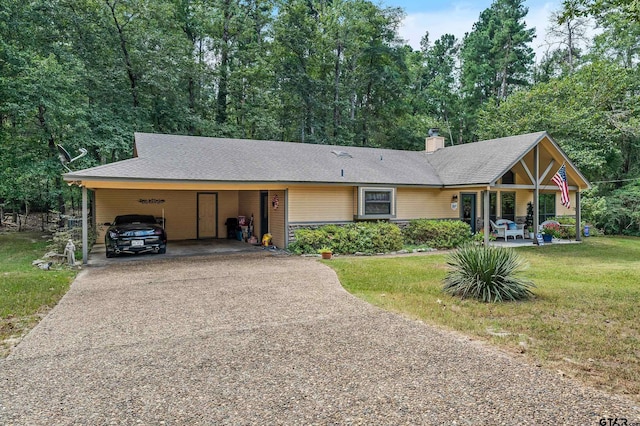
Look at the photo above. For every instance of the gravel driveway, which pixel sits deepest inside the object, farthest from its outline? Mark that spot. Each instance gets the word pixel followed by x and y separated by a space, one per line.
pixel 260 339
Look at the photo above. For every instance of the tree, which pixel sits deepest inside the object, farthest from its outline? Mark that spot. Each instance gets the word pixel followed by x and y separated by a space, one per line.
pixel 433 96
pixel 496 56
pixel 629 8
pixel 341 72
pixel 619 41
pixel 567 31
pixel 590 113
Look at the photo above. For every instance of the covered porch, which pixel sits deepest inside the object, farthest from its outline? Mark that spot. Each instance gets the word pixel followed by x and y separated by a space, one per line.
pixel 532 180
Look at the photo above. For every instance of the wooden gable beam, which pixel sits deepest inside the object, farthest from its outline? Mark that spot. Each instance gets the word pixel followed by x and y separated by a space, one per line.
pixel 526 169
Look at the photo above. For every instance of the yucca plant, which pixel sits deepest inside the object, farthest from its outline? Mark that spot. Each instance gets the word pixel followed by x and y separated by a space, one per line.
pixel 489 274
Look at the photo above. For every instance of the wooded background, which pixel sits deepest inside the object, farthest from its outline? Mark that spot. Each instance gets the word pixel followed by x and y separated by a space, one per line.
pixel 89 73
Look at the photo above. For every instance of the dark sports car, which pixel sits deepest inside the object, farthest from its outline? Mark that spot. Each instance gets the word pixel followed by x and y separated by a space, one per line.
pixel 135 233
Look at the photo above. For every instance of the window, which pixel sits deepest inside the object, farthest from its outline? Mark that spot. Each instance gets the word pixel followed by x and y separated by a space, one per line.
pixel 508 178
pixel 508 205
pixel 376 203
pixel 493 205
pixel 546 207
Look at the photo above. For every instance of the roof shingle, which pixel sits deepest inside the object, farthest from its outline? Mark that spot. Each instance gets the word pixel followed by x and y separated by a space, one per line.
pixel 190 158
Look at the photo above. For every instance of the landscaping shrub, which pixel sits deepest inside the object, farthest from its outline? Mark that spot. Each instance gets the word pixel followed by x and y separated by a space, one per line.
pixel 567 232
pixel 489 274
pixel 441 234
pixel 309 241
pixel 360 237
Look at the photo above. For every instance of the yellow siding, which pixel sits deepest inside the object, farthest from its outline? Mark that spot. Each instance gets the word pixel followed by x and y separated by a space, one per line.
pixel 227 207
pixel 417 203
pixel 523 196
pixel 277 226
pixel 321 203
pixel 179 209
pixel 562 210
pixel 249 204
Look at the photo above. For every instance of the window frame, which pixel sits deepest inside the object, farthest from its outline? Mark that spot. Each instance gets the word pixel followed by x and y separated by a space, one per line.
pixel 362 203
pixel 549 200
pixel 493 205
pixel 511 217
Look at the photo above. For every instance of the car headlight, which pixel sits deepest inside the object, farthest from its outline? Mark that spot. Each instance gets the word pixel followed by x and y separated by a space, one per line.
pixel 113 235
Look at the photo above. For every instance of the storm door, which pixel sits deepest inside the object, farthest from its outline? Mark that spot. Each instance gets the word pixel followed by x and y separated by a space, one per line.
pixel 468 210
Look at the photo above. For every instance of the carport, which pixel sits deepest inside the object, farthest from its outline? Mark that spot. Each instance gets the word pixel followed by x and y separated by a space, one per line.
pixel 190 211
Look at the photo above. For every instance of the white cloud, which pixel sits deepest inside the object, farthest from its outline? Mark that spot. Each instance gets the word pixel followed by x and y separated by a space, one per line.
pixel 460 19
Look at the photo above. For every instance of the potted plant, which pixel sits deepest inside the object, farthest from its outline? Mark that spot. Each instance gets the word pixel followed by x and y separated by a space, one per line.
pixel 532 235
pixel 325 252
pixel 550 231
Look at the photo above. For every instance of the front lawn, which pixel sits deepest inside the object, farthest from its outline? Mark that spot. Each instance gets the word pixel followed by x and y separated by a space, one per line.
pixel 26 292
pixel 583 322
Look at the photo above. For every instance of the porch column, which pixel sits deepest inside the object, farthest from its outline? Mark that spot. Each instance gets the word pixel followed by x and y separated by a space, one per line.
pixel 536 190
pixel 85 227
pixel 486 216
pixel 578 216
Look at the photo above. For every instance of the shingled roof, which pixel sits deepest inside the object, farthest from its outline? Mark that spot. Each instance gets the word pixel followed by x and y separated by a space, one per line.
pixel 189 158
pixel 482 162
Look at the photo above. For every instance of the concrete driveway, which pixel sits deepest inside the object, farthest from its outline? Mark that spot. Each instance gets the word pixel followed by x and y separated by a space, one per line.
pixel 262 339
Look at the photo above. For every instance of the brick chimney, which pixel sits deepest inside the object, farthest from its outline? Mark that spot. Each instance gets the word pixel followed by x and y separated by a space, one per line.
pixel 434 142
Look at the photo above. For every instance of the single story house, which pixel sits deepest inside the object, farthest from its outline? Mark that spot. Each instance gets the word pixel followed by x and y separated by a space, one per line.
pixel 196 183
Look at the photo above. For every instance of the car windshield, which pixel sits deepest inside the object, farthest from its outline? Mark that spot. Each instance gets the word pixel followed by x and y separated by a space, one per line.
pixel 134 218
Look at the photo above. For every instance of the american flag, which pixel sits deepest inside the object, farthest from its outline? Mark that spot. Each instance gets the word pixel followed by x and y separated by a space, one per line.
pixel 560 179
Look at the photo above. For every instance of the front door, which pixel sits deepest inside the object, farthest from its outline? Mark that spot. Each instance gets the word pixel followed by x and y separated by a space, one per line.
pixel 468 210
pixel 207 215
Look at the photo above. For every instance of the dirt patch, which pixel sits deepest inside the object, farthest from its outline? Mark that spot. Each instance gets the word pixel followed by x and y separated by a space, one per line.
pixel 13 329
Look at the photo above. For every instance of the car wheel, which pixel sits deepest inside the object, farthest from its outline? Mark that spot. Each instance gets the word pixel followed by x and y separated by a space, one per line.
pixel 162 250
pixel 110 254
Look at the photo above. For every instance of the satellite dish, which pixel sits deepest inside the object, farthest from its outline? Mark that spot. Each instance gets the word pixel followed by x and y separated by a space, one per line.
pixel 63 154
pixel 65 158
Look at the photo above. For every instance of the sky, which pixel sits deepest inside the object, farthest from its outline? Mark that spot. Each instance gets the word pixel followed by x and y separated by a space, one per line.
pixel 458 16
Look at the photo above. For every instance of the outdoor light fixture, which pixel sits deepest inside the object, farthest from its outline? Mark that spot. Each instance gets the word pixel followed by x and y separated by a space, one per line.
pixel 454 199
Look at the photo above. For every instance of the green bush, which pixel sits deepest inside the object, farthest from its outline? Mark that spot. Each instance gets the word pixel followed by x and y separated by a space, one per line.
pixel 361 237
pixel 567 232
pixel 309 241
pixel 440 234
pixel 489 274
pixel 616 213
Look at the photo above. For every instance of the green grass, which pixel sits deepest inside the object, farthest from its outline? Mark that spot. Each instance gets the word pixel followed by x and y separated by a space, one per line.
pixel 584 319
pixel 26 292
